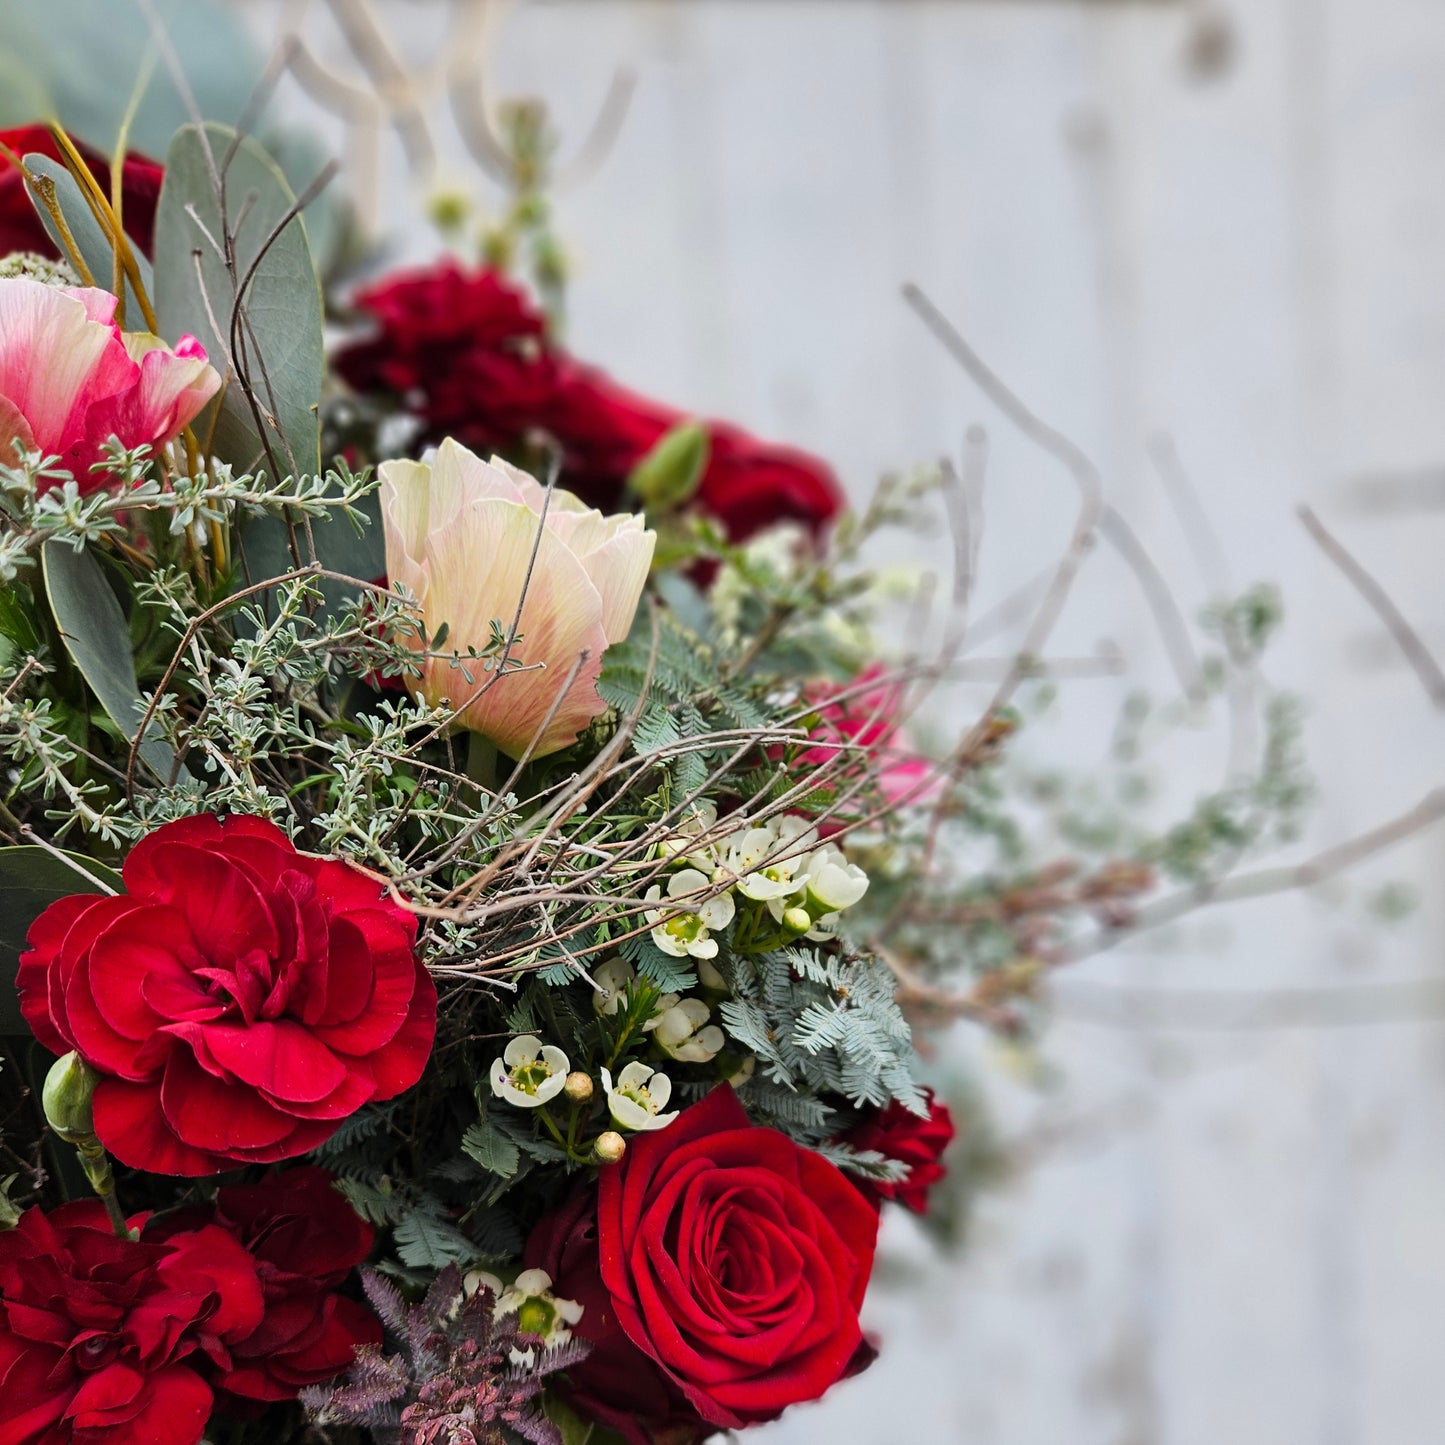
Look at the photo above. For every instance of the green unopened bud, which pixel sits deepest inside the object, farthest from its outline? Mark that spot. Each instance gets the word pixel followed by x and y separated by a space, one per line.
pixel 9 1211
pixel 578 1087
pixel 69 1087
pixel 797 920
pixel 610 1147
pixel 671 472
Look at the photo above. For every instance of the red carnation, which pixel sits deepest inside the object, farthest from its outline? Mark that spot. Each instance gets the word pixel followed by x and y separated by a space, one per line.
pixel 721 1272
pixel 107 1339
pixel 21 228
pixel 468 354
pixel 305 1239
pixel 919 1143
pixel 239 1000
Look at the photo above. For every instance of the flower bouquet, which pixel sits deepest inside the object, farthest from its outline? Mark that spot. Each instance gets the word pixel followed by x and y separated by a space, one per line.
pixel 470 882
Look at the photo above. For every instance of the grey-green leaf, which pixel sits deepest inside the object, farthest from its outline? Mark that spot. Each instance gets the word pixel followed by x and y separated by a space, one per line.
pixel 31 879
pixel 489 1147
pixel 278 339
pixel 95 634
pixel 90 240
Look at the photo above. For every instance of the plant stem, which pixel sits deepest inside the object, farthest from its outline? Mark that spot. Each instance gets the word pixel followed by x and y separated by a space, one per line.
pixel 96 1163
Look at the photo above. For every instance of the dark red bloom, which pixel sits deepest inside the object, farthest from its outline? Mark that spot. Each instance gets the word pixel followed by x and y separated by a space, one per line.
pixel 104 1341
pixel 730 1265
pixel 464 350
pixel 919 1143
pixel 305 1239
pixel 20 226
pixel 468 354
pixel 239 1001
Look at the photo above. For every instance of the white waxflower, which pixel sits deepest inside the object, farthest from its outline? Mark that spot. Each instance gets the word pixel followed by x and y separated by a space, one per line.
pixel 833 882
pixel 539 1312
pixel 770 859
pixel 529 1072
pixel 682 1030
pixel 637 1098
pixel 611 979
pixel 697 820
pixel 688 933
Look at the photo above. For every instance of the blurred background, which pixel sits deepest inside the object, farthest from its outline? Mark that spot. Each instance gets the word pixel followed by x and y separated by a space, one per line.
pixel 1202 240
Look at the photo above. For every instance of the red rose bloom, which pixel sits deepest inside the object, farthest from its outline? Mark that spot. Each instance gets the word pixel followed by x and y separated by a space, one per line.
pixel 733 1263
pixel 468 353
pixel 239 1001
pixel 21 228
pixel 305 1239
pixel 103 1340
pixel 896 1133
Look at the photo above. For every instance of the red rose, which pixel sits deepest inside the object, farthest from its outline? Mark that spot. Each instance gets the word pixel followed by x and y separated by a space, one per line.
pixel 20 226
pixel 468 353
pixel 103 1339
pixel 239 1001
pixel 305 1239
pixel 898 1134
pixel 730 1259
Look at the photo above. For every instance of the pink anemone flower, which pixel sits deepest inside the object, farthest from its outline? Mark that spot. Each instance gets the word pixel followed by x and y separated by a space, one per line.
pixel 70 378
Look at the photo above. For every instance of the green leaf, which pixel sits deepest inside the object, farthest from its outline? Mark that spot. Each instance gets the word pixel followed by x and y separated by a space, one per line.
pixel 90 239
pixel 97 637
pixel 427 1243
pixel 496 1153
pixel 575 1430
pixel 282 345
pixel 31 879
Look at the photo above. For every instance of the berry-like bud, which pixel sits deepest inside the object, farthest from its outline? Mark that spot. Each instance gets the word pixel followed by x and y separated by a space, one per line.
pixel 797 920
pixel 69 1087
pixel 578 1087
pixel 610 1147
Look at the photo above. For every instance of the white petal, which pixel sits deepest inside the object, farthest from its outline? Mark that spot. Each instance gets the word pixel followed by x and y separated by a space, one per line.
pixel 522 1050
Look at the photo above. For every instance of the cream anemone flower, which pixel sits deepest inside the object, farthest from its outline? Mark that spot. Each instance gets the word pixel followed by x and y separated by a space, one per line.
pixel 461 535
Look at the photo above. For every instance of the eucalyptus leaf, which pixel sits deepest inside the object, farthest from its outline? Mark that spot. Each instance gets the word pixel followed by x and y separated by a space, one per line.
pixel 31 879
pixel 90 239
pixel 95 634
pixel 218 186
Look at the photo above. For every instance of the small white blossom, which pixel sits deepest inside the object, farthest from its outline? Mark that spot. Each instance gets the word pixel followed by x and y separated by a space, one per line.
pixel 770 859
pixel 682 1030
pixel 638 1097
pixel 833 882
pixel 698 820
pixel 688 933
pixel 529 1072
pixel 539 1312
pixel 611 979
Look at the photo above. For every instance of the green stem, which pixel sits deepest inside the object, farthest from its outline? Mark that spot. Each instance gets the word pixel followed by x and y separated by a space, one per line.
pixel 96 1163
pixel 482 762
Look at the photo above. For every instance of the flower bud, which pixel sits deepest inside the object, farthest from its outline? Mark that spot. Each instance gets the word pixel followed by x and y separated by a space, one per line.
pixel 69 1087
pixel 797 920
pixel 578 1087
pixel 669 474
pixel 610 1147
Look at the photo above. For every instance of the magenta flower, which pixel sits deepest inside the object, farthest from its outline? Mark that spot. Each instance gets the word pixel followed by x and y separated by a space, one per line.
pixel 70 378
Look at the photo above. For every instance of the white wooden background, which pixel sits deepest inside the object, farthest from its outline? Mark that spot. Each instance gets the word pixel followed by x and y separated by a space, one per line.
pixel 1216 1234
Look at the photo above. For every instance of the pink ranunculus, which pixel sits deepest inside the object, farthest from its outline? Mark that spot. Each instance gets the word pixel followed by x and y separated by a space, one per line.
pixel 460 536
pixel 70 379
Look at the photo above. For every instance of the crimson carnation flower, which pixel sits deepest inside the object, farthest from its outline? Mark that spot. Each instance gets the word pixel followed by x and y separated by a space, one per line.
pixel 919 1143
pixel 20 226
pixel 105 1339
pixel 239 1000
pixel 467 352
pixel 720 1270
pixel 464 350
pixel 305 1239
